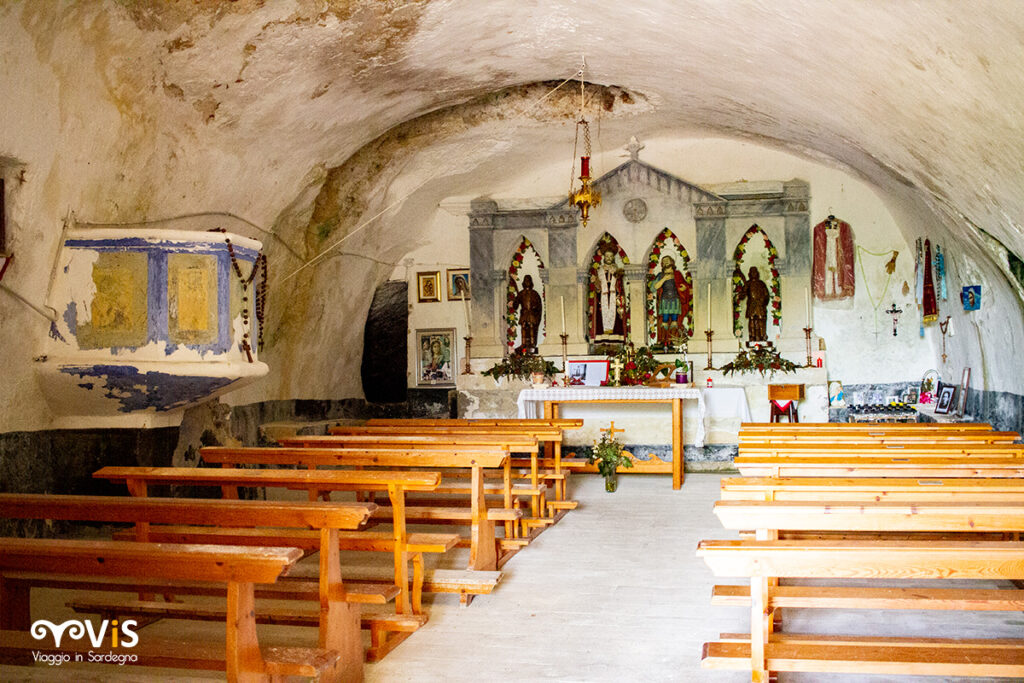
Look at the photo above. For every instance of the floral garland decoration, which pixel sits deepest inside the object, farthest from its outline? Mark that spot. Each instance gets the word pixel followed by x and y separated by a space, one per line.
pixel 595 263
pixel 762 359
pixel 651 298
pixel 775 286
pixel 511 316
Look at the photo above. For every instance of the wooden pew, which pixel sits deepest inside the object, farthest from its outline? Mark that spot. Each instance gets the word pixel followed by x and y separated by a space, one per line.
pixel 238 568
pixel 870 490
pixel 481 519
pixel 315 482
pixel 513 443
pixel 838 436
pixel 561 423
pixel 766 561
pixel 903 450
pixel 338 614
pixel 902 467
pixel 888 427
pixel 548 431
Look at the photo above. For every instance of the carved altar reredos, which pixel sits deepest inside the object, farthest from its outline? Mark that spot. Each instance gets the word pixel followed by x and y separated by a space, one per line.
pixel 638 202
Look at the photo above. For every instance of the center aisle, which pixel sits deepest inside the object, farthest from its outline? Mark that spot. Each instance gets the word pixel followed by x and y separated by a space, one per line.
pixel 613 592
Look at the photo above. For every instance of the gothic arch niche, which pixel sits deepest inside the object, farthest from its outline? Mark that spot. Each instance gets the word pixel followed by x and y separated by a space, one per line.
pixel 525 262
pixel 678 290
pixel 607 294
pixel 755 250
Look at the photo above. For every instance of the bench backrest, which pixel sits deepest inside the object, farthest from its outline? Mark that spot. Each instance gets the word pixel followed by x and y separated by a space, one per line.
pixel 800 427
pixel 880 467
pixel 463 457
pixel 186 511
pixel 154 560
pixel 909 450
pixel 321 479
pixel 519 443
pixel 865 559
pixel 543 433
pixel 882 516
pixel 868 489
pixel 838 436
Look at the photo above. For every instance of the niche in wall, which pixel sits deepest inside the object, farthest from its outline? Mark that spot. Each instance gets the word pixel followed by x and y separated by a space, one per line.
pixel 385 344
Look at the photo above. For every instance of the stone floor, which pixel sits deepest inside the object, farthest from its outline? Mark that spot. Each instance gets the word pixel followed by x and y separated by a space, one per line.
pixel 611 593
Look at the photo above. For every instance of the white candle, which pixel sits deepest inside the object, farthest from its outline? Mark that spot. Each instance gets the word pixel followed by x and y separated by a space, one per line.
pixel 561 300
pixel 709 305
pixel 807 303
pixel 465 305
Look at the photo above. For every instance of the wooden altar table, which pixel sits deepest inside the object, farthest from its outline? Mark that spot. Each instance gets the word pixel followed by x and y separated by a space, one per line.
pixel 532 401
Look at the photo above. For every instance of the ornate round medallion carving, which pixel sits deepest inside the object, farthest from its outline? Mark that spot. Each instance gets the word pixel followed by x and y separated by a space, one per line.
pixel 635 210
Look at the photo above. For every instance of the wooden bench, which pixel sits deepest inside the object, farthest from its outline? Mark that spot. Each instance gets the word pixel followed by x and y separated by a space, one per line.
pixel 902 467
pixel 270 524
pixel 315 482
pixel 766 561
pixel 238 568
pixel 869 490
pixel 838 436
pixel 548 431
pixel 513 443
pixel 903 450
pixel 852 427
pixel 484 545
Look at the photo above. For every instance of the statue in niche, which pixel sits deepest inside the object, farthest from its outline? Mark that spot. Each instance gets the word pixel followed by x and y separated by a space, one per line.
pixel 607 299
pixel 530 307
pixel 671 303
pixel 755 291
pixel 832 275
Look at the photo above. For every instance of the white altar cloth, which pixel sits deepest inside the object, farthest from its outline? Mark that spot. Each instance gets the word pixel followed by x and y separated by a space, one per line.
pixel 724 402
pixel 531 401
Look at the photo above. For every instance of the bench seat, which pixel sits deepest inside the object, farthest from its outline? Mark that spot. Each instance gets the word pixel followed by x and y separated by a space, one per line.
pixel 884 656
pixel 856 597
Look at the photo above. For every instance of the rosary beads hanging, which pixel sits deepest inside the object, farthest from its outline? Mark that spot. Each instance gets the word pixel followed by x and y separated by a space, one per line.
pixel 260 296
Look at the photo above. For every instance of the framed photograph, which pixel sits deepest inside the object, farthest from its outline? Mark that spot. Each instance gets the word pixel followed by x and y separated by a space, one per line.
pixel 590 373
pixel 428 286
pixel 944 399
pixel 965 381
pixel 458 284
pixel 971 297
pixel 435 357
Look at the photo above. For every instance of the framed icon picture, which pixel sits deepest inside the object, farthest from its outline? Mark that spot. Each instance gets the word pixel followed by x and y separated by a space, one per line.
pixel 458 284
pixel 944 399
pixel 971 296
pixel 965 382
pixel 428 286
pixel 435 357
pixel 590 373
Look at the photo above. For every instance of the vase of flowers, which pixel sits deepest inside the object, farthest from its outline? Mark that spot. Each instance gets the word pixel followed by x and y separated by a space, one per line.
pixel 609 457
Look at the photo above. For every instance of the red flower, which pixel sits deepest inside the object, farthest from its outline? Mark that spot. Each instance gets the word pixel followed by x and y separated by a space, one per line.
pixel 656 250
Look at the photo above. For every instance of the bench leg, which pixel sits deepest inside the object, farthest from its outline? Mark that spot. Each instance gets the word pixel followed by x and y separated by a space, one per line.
pixel 483 553
pixel 15 612
pixel 242 652
pixel 340 628
pixel 760 628
pixel 417 583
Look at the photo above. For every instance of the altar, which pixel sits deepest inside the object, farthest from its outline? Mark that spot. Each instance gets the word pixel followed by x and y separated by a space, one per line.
pixel 547 403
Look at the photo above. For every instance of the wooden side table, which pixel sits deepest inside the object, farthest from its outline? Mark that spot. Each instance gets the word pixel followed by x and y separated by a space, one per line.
pixel 785 392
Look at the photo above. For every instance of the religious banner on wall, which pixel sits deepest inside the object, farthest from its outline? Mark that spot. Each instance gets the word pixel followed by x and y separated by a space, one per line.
pixel 832 275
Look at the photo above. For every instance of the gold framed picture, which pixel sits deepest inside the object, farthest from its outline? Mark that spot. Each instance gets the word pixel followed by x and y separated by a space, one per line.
pixel 428 286
pixel 458 284
pixel 435 357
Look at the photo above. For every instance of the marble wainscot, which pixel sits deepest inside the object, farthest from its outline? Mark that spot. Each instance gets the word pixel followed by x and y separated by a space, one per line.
pixel 647 429
pixel 149 322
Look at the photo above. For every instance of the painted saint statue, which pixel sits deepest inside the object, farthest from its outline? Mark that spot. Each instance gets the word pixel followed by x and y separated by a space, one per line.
pixel 672 304
pixel 755 291
pixel 607 308
pixel 832 274
pixel 530 307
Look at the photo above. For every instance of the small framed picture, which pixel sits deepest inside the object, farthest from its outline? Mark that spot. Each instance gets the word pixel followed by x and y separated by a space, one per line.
pixel 971 296
pixel 458 284
pixel 435 357
pixel 836 397
pixel 965 381
pixel 590 373
pixel 929 384
pixel 428 286
pixel 944 399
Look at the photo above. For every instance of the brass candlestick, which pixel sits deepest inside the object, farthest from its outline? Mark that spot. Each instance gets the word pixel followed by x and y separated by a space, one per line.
pixel 565 352
pixel 807 337
pixel 466 368
pixel 709 334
